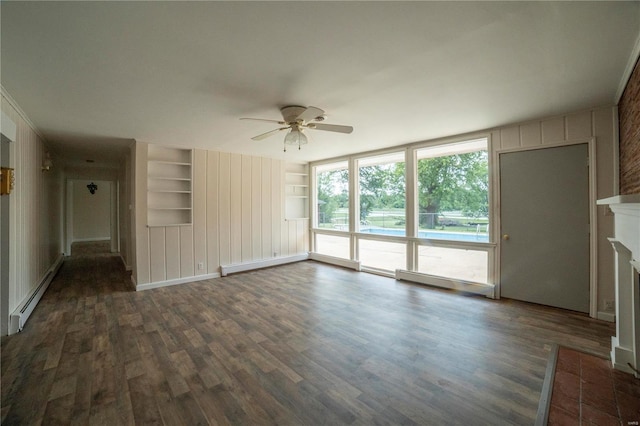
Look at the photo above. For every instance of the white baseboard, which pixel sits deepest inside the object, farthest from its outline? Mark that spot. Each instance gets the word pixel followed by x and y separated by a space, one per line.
pixel 20 316
pixel 176 281
pixel 241 267
pixel 338 261
pixel 88 240
pixel 466 286
pixel 606 316
pixel 124 262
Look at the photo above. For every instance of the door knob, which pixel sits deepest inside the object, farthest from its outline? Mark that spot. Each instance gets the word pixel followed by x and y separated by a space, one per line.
pixel 505 237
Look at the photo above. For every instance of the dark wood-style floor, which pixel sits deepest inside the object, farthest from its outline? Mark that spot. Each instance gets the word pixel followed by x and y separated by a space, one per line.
pixel 304 343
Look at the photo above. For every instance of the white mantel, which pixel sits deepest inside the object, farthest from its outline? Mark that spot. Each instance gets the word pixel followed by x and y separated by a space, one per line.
pixel 625 345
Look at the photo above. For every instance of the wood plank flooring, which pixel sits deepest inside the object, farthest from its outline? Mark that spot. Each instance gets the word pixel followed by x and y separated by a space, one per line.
pixel 300 344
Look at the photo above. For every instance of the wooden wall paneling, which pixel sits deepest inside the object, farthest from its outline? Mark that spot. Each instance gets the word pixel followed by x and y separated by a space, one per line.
pixel 530 134
pixel 236 208
pixel 224 209
pixel 553 130
pixel 32 200
pixel 213 197
pixel 25 185
pixel 604 131
pixel 199 196
pixel 276 207
pixel 246 208
pixel 300 236
pixel 292 240
pixel 186 251
pixel 284 225
pixel 256 208
pixel 266 210
pixel 142 270
pixel 157 254
pixel 172 252
pixel 306 235
pixel 579 125
pixel 510 137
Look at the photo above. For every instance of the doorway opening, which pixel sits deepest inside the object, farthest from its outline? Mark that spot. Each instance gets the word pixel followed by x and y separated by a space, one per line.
pixel 92 219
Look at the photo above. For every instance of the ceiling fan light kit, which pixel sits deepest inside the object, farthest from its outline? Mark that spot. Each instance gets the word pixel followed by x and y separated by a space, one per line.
pixel 297 118
pixel 295 137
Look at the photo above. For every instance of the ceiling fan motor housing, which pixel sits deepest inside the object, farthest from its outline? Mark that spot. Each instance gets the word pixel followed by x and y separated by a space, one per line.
pixel 290 113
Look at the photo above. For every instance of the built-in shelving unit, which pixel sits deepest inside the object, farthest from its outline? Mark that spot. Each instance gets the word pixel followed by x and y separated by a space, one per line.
pixel 296 192
pixel 169 186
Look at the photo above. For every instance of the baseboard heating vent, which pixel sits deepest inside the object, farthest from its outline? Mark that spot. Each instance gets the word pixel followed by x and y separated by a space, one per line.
pixel 20 316
pixel 465 286
pixel 249 266
pixel 338 261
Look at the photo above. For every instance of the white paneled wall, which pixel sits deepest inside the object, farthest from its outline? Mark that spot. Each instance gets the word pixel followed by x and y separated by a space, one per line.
pixel 599 124
pixel 35 210
pixel 238 217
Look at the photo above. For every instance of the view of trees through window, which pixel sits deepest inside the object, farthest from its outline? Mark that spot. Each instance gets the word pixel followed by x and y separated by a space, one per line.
pixel 382 195
pixel 333 196
pixel 453 192
pixel 452 183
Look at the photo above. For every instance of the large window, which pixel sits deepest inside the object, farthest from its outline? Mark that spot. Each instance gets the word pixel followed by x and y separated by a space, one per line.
pixel 382 194
pixel 332 245
pixel 332 195
pixel 382 255
pixel 447 219
pixel 454 263
pixel 453 191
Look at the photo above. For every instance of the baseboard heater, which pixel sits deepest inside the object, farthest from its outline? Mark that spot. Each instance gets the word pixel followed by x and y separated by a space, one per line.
pixel 20 316
pixel 249 266
pixel 338 261
pixel 460 285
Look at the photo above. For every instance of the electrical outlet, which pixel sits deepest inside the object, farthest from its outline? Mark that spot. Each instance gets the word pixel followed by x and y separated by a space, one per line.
pixel 200 266
pixel 608 305
pixel 275 254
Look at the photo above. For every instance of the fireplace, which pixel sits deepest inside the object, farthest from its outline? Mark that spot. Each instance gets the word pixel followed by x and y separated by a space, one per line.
pixel 625 345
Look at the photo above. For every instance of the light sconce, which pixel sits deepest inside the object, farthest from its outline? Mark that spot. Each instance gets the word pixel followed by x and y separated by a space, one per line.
pixel 92 188
pixel 295 137
pixel 47 163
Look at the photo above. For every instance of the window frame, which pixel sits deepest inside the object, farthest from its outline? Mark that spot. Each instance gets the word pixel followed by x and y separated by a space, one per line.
pixel 411 239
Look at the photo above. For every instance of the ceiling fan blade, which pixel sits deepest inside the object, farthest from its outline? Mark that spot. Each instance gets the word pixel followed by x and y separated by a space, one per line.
pixel 264 119
pixel 331 127
pixel 266 135
pixel 310 113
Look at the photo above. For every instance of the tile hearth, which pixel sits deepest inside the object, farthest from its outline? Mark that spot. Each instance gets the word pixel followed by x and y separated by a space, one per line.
pixel 588 391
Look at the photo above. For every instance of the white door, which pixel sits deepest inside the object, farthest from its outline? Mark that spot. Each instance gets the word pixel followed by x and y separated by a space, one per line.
pixel 544 208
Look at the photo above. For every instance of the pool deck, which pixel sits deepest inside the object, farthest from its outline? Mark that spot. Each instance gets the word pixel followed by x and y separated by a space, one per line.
pixel 455 263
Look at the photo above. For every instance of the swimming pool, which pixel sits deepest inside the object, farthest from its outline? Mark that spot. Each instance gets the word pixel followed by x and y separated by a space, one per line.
pixel 437 235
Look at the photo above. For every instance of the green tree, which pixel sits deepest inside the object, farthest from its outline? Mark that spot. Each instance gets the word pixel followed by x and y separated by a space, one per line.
pixel 453 182
pixel 332 193
pixel 381 186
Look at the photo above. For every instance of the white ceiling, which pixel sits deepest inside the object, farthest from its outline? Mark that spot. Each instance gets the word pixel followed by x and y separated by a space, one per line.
pixel 94 75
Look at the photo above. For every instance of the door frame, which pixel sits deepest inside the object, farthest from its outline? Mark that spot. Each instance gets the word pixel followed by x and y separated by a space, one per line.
pixel 593 216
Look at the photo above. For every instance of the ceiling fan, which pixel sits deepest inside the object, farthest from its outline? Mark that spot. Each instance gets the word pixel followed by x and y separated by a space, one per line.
pixel 297 119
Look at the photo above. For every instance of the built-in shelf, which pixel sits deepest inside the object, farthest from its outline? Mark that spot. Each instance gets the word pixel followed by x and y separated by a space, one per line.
pixel 296 192
pixel 169 197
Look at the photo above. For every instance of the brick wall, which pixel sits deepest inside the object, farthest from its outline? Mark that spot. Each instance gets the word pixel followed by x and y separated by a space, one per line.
pixel 629 113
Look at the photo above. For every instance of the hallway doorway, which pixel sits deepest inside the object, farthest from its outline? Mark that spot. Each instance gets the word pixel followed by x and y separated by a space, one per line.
pixel 92 207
